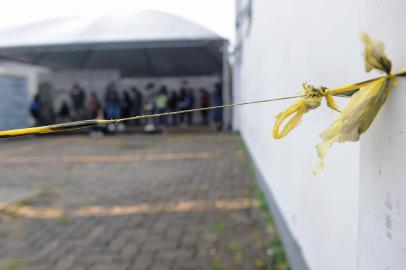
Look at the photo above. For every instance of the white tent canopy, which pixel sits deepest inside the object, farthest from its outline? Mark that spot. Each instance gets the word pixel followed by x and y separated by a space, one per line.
pixel 146 43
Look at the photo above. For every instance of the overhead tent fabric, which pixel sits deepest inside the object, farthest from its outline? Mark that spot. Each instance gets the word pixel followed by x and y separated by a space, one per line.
pixel 146 43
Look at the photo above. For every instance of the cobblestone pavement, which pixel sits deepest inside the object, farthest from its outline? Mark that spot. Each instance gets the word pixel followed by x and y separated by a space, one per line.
pixel 130 202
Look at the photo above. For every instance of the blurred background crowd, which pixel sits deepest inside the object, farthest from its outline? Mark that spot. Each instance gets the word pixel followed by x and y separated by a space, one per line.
pixel 116 102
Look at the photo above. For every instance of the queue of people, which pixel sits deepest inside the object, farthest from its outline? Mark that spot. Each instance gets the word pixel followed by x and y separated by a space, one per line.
pixel 122 104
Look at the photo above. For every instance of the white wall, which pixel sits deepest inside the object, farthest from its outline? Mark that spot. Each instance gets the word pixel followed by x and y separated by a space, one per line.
pixel 290 42
pixel 353 214
pixel 382 209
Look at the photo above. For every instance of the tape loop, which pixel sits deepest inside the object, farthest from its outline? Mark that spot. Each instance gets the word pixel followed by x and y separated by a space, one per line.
pixel 311 100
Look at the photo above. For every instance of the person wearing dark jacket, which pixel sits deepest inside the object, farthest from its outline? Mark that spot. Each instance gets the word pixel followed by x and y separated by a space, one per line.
pixel 78 96
pixel 35 109
pixel 126 105
pixel 173 106
pixel 204 102
pixel 137 104
pixel 112 102
pixel 187 103
pixel 94 106
pixel 218 101
pixel 64 112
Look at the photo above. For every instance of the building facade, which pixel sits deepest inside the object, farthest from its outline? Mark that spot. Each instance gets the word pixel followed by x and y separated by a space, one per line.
pixel 352 214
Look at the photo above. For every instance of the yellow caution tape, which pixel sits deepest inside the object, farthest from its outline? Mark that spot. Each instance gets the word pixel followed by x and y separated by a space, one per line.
pixel 91 123
pixel 366 100
pixel 52 128
pixel 310 101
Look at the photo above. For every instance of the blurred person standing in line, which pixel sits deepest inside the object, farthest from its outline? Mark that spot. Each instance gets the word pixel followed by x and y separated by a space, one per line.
pixel 173 106
pixel 181 104
pixel 112 102
pixel 187 103
pixel 161 104
pixel 35 110
pixel 126 105
pixel 46 98
pixel 204 102
pixel 78 97
pixel 190 103
pixel 218 101
pixel 113 108
pixel 137 104
pixel 96 112
pixel 149 107
pixel 64 112
pixel 94 106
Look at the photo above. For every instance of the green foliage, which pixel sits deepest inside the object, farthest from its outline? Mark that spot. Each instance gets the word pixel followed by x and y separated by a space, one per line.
pixel 11 265
pixel 260 264
pixel 217 266
pixel 24 202
pixel 239 144
pixel 64 218
pixel 218 228
pixel 44 193
pixel 162 210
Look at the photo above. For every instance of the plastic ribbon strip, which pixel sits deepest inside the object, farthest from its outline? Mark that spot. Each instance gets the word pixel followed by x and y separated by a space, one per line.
pixel 91 123
pixel 366 100
pixel 310 101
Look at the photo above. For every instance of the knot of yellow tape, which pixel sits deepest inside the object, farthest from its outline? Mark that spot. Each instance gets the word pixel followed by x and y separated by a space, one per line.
pixel 311 100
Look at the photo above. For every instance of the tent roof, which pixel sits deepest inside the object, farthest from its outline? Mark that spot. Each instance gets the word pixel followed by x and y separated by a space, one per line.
pixel 145 43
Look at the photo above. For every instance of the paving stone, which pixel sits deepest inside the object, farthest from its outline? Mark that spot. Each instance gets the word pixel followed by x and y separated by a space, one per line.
pixel 108 267
pixel 129 251
pixel 65 263
pixel 180 168
pixel 175 254
pixel 159 246
pixel 160 266
pixel 118 244
pixel 143 261
pixel 194 264
pixel 174 233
